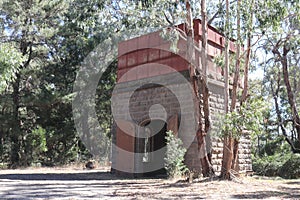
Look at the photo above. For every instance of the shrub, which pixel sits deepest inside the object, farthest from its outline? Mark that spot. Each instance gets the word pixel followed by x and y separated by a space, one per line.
pixel 274 146
pixel 268 165
pixel 36 145
pixel 291 168
pixel 283 165
pixel 174 157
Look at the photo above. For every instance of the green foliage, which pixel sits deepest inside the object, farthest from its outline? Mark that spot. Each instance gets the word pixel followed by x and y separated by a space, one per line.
pixel 249 117
pixel 174 157
pixel 272 155
pixel 273 147
pixel 272 13
pixel 36 145
pixel 52 38
pixel 173 37
pixel 10 61
pixel 268 165
pixel 5 148
pixel 285 165
pixel 219 60
pixel 291 168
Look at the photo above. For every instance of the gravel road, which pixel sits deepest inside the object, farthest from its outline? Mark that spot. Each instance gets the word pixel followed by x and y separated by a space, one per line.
pixel 100 184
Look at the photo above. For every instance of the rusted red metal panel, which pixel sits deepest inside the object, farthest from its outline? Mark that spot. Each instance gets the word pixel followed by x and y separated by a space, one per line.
pixel 142 72
pixel 154 39
pixel 179 64
pixel 153 55
pixel 125 147
pixel 143 56
pixel 164 54
pixel 143 41
pixel 122 62
pixel 148 48
pixel 132 59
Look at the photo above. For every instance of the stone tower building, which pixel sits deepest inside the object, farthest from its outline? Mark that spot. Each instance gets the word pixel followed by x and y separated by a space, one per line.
pixel 153 95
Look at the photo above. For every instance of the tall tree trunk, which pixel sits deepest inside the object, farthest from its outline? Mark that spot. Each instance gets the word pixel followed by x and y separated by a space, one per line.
pixel 205 164
pixel 291 99
pixel 227 157
pixel 228 141
pixel 247 63
pixel 204 82
pixel 226 68
pixel 204 66
pixel 18 157
pixel 235 164
pixel 236 79
pixel 16 128
pixel 275 94
pixel 237 62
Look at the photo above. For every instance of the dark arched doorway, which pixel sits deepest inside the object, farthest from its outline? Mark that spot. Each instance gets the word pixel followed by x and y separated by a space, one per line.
pixel 151 146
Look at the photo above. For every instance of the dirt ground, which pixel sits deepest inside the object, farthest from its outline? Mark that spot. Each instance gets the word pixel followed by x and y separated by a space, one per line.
pixel 49 183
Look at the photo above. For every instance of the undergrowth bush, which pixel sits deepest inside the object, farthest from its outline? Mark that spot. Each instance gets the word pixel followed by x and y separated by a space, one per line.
pixel 291 168
pixel 174 158
pixel 283 165
pixel 268 165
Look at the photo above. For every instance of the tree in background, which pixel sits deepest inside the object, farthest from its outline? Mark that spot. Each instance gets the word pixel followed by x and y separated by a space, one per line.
pixel 244 31
pixel 281 45
pixel 28 26
pixel 52 39
pixel 227 138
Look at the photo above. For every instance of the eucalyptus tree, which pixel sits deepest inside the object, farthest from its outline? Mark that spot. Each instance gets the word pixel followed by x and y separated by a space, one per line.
pixel 10 59
pixel 227 140
pixel 279 21
pixel 28 27
pixel 51 40
pixel 239 24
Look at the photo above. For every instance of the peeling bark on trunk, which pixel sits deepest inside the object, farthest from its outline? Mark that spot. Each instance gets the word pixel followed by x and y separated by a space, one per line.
pixel 228 141
pixel 204 81
pixel 227 158
pixel 235 164
pixel 291 99
pixel 16 129
pixel 279 118
pixel 236 79
pixel 226 68
pixel 207 169
pixel 247 63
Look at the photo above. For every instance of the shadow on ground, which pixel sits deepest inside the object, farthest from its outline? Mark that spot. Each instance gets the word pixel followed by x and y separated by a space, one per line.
pixel 80 176
pixel 60 176
pixel 293 182
pixel 23 185
pixel 282 193
pixel 81 185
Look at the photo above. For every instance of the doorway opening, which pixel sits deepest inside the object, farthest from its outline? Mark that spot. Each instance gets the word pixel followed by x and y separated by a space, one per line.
pixel 152 147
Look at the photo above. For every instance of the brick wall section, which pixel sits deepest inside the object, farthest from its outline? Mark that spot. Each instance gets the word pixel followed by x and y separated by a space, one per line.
pixel 142 99
pixel 245 161
pixel 216 103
